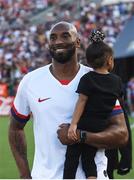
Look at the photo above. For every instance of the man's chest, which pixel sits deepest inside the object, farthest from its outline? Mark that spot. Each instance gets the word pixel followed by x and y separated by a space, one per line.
pixel 52 99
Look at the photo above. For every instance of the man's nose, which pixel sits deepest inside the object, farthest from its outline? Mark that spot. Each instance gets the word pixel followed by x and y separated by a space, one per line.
pixel 59 41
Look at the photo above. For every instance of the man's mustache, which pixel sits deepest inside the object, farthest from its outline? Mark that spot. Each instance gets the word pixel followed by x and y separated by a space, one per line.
pixel 62 46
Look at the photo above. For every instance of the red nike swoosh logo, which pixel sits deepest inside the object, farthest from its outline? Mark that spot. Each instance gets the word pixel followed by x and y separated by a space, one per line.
pixel 41 100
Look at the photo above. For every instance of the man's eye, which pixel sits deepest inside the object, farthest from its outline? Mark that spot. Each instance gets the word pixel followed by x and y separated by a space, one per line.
pixel 52 38
pixel 65 36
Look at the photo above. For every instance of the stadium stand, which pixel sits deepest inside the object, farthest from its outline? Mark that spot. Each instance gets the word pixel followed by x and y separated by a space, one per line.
pixel 23 43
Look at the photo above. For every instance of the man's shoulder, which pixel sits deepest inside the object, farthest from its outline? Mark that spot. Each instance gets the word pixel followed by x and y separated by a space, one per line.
pixel 34 76
pixel 86 68
pixel 37 72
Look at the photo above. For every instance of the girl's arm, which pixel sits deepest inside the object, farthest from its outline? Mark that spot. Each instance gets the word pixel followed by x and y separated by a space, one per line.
pixel 79 108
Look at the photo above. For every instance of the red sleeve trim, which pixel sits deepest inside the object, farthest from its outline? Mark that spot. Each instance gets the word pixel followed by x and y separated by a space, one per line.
pixel 20 115
pixel 117 107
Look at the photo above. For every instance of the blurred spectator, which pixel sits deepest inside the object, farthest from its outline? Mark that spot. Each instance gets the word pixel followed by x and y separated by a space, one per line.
pixel 3 89
pixel 24 47
pixel 130 96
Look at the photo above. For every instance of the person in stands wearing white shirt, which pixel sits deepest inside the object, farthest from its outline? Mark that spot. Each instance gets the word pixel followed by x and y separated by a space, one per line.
pixel 49 94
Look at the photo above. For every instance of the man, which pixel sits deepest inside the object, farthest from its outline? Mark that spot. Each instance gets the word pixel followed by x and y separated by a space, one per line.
pixel 49 93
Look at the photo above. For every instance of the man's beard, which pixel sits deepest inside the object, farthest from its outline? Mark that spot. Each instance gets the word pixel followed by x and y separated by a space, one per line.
pixel 63 57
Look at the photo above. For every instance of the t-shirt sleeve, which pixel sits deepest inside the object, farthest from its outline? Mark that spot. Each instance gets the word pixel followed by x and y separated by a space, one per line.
pixel 83 87
pixel 117 109
pixel 20 109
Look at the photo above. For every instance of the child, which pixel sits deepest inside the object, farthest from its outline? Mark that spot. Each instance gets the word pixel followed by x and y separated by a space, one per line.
pixel 98 91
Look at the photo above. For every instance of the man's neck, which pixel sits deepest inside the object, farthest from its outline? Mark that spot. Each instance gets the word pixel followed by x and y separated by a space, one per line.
pixel 64 71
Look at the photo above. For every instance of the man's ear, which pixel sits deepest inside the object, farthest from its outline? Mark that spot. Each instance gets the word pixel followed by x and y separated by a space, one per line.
pixel 78 42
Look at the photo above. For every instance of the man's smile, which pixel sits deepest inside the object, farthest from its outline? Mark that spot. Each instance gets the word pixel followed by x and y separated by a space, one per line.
pixel 60 50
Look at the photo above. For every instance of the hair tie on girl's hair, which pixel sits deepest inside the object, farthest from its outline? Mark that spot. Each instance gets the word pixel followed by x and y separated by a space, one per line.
pixel 97 36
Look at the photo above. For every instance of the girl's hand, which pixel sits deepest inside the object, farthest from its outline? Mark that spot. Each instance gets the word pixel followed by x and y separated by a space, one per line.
pixel 72 132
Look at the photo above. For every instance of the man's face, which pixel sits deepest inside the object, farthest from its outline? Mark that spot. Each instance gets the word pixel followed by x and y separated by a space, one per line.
pixel 62 43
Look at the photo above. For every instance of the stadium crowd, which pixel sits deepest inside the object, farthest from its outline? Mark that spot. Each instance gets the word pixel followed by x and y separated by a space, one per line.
pixel 24 47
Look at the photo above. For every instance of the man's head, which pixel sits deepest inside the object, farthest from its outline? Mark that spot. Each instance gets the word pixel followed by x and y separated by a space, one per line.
pixel 63 41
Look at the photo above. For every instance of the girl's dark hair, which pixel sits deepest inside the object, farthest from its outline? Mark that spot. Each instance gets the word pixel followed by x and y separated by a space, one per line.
pixel 97 51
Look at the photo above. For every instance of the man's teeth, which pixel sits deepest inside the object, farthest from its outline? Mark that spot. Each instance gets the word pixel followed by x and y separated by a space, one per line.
pixel 60 50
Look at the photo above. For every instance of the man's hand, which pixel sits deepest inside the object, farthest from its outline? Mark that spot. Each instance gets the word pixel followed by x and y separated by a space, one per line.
pixel 63 135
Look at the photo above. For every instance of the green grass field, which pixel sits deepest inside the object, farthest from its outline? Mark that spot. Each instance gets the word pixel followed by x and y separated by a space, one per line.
pixel 8 167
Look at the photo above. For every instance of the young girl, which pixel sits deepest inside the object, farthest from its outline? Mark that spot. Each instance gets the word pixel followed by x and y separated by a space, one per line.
pixel 98 91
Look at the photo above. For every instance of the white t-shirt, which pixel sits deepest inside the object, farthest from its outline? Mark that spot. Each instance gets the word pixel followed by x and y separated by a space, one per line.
pixel 51 104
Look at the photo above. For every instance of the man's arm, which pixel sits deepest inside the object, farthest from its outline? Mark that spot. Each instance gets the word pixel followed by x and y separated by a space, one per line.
pixel 114 136
pixel 19 147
